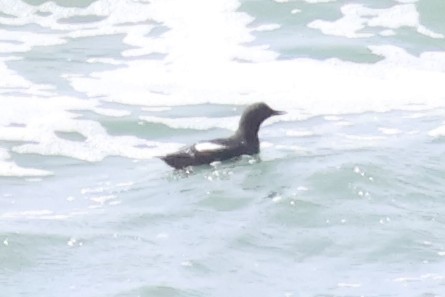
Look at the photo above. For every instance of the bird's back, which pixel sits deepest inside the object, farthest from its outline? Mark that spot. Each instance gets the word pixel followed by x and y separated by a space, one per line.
pixel 210 151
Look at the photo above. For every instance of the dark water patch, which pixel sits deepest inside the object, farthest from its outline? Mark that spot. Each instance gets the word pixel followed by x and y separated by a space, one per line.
pixel 151 56
pixel 266 12
pixel 158 31
pixel 294 39
pixel 43 13
pixel 142 129
pixel 72 136
pixel 50 163
pixel 203 110
pixel 431 15
pixel 32 27
pixel 49 64
pixel 414 42
pixel 81 19
pixel 62 3
pixel 5 15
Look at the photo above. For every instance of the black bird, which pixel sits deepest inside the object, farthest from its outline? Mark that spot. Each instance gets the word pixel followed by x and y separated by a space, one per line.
pixel 244 142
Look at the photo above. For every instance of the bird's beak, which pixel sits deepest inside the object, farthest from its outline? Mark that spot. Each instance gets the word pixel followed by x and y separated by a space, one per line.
pixel 278 112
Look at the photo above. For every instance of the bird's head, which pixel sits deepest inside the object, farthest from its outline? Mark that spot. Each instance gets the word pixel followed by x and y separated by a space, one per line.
pixel 252 118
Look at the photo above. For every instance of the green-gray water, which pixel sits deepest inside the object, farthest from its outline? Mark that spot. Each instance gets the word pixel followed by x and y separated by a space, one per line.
pixel 345 199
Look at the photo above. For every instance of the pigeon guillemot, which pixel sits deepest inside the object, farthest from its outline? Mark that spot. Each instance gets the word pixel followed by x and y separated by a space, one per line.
pixel 244 142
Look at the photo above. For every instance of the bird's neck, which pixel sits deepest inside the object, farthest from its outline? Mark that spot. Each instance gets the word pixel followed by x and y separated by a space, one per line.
pixel 249 135
pixel 248 130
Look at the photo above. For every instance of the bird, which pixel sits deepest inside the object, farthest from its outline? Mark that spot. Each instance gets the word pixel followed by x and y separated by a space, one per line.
pixel 244 142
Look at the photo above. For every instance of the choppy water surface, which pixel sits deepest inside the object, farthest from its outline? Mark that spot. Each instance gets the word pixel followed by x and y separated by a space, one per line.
pixel 345 199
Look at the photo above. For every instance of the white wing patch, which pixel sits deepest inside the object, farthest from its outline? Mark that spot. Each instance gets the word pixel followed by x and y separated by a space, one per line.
pixel 209 147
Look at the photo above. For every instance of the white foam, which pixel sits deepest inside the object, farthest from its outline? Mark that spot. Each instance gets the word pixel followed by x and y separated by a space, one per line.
pixel 268 27
pixel 390 131
pixel 423 277
pixel 398 59
pixel 198 123
pixel 437 132
pixel 356 17
pixel 347 26
pixel 204 68
pixel 346 87
pixel 425 31
pixel 388 32
pixel 112 112
pixel 113 17
pixel 35 122
pixel 319 1
pixel 208 66
pixel 109 61
pixel 218 41
pixel 9 168
pixel 96 147
pixel 25 41
pixel 103 199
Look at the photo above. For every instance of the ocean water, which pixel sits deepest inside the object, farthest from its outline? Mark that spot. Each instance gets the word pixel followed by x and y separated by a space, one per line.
pixel 345 199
